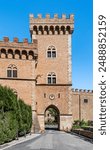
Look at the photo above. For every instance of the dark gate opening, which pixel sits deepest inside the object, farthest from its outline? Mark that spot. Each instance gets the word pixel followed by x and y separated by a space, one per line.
pixel 52 118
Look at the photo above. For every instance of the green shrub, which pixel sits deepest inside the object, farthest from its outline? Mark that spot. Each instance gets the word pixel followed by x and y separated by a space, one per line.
pixel 76 122
pixel 79 124
pixel 25 118
pixel 83 123
pixel 76 127
pixel 8 127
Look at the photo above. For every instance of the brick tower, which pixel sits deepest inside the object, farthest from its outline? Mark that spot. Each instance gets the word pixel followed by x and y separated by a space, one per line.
pixel 53 69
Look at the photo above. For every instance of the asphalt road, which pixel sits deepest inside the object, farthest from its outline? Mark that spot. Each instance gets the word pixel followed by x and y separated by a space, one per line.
pixel 55 140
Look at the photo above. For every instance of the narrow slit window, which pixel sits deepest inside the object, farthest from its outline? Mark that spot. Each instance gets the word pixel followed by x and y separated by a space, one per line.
pixel 58 95
pixel 44 95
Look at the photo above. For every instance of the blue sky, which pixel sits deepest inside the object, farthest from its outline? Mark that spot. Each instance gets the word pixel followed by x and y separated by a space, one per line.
pixel 14 22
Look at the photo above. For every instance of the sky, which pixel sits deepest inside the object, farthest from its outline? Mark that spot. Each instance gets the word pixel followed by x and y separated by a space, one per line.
pixel 14 22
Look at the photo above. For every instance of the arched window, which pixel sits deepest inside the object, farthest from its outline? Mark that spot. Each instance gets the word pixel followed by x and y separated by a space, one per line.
pixel 51 79
pixel 12 71
pixel 51 52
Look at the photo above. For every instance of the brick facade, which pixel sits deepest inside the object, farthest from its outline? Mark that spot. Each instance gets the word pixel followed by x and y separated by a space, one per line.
pixel 34 65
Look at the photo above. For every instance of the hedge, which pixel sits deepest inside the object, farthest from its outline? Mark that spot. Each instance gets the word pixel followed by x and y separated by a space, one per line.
pixel 15 116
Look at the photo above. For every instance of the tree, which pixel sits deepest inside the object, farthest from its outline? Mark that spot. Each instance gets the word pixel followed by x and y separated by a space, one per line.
pixel 15 115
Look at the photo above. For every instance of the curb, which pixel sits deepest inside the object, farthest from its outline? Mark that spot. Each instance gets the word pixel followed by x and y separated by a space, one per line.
pixel 20 140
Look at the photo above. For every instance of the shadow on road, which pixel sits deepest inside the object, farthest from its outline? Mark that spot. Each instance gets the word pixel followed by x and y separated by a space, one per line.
pixel 56 129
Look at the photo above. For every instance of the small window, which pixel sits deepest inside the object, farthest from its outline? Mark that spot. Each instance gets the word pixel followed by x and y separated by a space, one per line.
pixel 85 100
pixel 9 72
pixel 54 54
pixel 12 71
pixel 51 78
pixel 58 95
pixel 51 52
pixel 44 95
pixel 54 79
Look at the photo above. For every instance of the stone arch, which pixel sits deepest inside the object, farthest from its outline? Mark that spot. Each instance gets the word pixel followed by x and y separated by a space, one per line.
pixel 35 28
pixel 52 29
pixel 63 29
pixel 57 29
pixel 52 118
pixel 17 54
pixel 46 28
pixel 3 53
pixel 40 29
pixel 24 54
pixel 68 28
pixel 31 55
pixel 10 53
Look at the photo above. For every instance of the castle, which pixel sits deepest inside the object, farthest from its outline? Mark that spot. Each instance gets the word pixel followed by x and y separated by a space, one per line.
pixel 40 71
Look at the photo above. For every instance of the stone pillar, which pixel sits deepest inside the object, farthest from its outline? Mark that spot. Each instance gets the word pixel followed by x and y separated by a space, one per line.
pixel 41 121
pixel 35 122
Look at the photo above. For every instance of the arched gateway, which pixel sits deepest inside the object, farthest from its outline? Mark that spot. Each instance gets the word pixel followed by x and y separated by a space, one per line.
pixel 52 118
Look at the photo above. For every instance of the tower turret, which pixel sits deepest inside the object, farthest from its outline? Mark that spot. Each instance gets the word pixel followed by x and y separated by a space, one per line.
pixel 51 26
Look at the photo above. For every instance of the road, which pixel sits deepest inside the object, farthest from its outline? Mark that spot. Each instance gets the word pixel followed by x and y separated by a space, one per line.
pixel 55 140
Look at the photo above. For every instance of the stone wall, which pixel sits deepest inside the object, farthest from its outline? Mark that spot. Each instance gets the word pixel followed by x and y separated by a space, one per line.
pixel 82 104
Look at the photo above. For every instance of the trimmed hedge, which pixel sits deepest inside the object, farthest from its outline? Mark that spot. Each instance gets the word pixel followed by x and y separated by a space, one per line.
pixel 15 116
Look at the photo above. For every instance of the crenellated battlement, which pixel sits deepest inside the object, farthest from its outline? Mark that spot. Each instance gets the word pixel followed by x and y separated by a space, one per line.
pixel 82 91
pixel 18 50
pixel 16 41
pixel 63 18
pixel 48 25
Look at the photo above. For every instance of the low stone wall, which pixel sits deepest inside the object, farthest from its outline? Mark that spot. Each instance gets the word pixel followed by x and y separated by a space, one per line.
pixel 88 128
pixel 85 133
